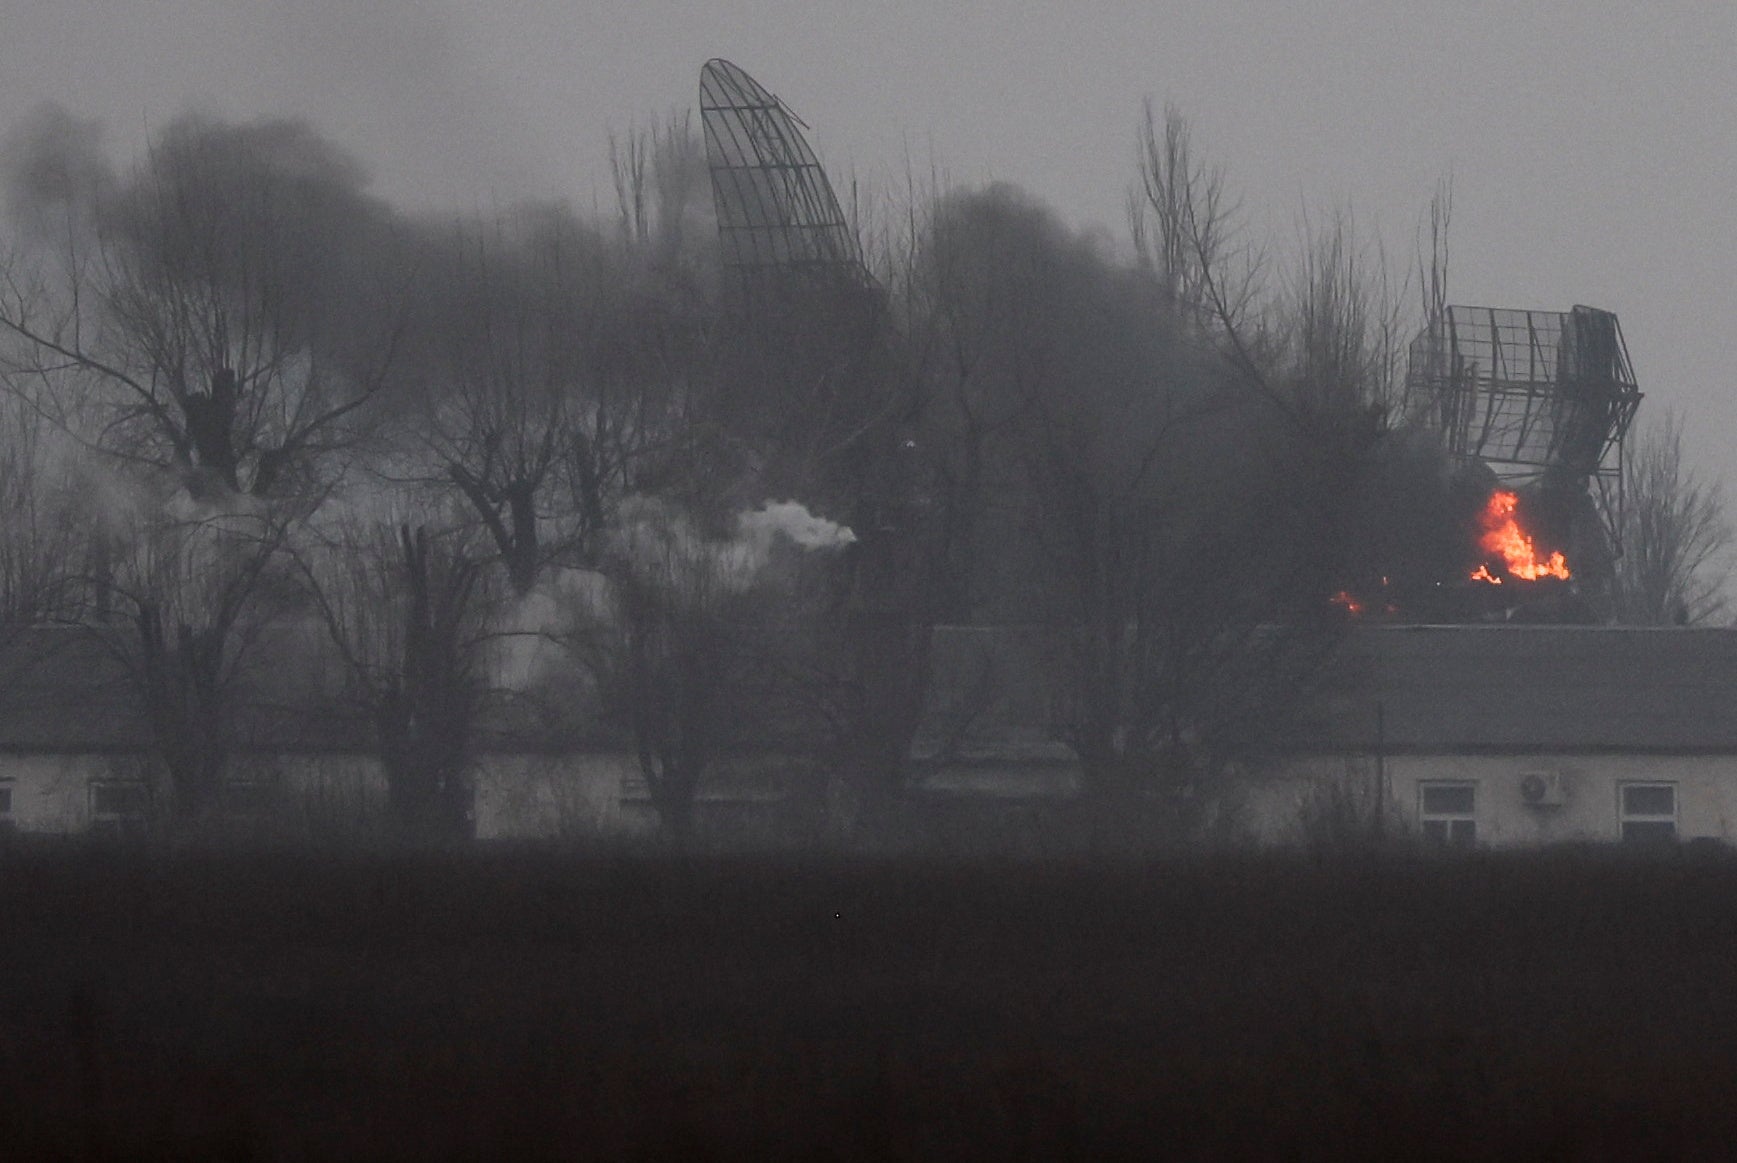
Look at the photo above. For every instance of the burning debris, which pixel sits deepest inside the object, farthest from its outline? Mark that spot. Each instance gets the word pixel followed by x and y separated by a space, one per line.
pixel 1503 538
pixel 1507 537
pixel 1357 605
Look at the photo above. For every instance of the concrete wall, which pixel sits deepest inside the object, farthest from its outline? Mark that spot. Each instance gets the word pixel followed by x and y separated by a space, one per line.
pixel 51 793
pixel 543 796
pixel 592 794
pixel 1278 808
pixel 529 796
pixel 332 794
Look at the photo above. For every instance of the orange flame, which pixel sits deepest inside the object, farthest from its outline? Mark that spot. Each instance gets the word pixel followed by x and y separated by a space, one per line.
pixel 1504 538
pixel 1345 601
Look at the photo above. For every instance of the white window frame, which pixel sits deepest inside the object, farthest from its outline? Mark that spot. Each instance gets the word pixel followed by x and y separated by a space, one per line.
pixel 1458 829
pixel 1646 820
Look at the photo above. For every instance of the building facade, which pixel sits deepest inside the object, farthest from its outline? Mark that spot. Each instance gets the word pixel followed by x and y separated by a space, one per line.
pixel 1509 735
pixel 1488 735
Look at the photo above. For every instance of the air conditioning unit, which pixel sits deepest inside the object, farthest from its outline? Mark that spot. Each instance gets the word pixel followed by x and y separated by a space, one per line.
pixel 1542 789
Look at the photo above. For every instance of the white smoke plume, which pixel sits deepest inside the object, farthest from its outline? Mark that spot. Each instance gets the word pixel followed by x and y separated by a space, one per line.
pixel 661 545
pixel 793 519
pixel 655 539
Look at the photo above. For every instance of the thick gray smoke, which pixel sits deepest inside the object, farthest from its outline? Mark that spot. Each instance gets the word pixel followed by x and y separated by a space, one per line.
pixel 54 162
pixel 447 349
pixel 1072 399
pixel 1089 382
pixel 223 300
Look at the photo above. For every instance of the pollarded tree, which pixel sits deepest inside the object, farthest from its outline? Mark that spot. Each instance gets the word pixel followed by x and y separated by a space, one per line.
pixel 700 639
pixel 560 371
pixel 670 647
pixel 408 612
pixel 182 603
pixel 510 409
pixel 206 334
pixel 218 311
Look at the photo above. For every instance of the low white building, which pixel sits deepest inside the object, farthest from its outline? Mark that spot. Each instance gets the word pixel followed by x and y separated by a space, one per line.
pixel 1523 735
pixel 1459 735
pixel 1487 734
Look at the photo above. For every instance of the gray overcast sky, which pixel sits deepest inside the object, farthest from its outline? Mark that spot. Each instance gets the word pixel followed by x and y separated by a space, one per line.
pixel 1593 145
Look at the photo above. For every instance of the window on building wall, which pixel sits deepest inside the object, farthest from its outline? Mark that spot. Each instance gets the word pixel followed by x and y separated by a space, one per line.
pixel 1648 812
pixel 1448 813
pixel 119 807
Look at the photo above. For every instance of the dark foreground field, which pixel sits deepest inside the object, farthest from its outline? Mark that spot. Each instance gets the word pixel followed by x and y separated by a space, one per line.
pixel 1565 1006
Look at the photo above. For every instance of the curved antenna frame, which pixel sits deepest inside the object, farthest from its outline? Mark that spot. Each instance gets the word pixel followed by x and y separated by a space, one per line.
pixel 1530 394
pixel 776 210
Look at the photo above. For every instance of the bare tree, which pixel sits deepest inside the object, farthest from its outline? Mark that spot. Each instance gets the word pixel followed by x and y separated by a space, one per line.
pixel 181 614
pixel 671 651
pixel 1676 536
pixel 1432 272
pixel 1118 466
pixel 1187 229
pixel 408 613
pixel 1194 448
pixel 206 336
pixel 49 543
pixel 1320 341
pixel 1343 325
pixel 563 370
pixel 968 332
pixel 662 193
pixel 45 522
pixel 511 389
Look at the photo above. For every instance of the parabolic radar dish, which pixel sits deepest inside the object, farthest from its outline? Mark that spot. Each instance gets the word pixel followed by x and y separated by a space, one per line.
pixel 777 213
pixel 1538 397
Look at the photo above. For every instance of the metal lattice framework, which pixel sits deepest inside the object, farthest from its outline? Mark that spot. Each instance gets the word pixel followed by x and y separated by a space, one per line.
pixel 1529 393
pixel 776 210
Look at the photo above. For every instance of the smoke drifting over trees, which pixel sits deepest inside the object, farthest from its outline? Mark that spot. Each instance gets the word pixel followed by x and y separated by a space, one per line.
pixel 218 305
pixel 720 517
